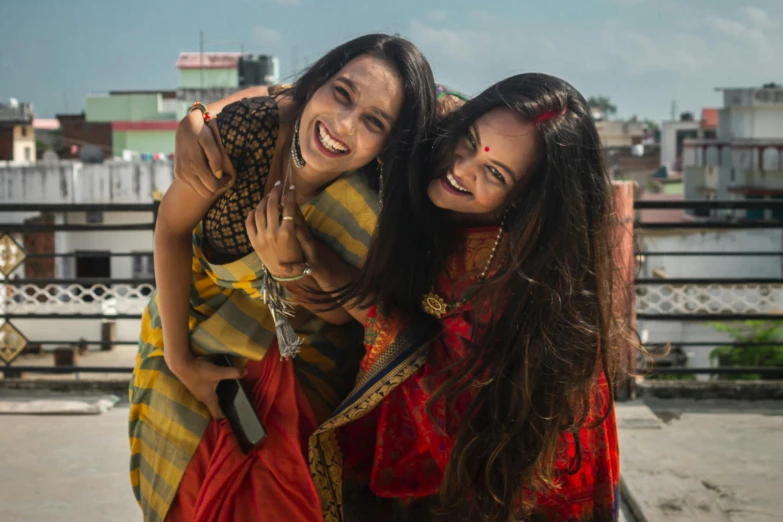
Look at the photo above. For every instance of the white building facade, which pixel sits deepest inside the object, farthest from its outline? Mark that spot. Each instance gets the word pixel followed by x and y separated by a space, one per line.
pixel 745 161
pixel 122 256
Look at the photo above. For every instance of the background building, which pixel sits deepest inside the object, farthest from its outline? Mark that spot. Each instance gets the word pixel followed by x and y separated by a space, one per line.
pixel 675 132
pixel 208 77
pixel 133 124
pixel 17 134
pixel 745 160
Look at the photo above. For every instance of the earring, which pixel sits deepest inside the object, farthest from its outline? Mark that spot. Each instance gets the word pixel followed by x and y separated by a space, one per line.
pixel 296 154
pixel 379 169
pixel 504 215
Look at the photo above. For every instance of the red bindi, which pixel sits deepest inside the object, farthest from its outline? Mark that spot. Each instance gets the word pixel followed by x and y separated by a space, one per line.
pixel 486 149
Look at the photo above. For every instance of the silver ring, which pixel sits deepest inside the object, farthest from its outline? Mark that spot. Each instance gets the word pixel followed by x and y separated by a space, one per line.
pixel 307 271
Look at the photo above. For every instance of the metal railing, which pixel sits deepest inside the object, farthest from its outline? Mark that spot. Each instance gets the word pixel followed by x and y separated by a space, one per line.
pixel 727 299
pixel 38 308
pixel 68 279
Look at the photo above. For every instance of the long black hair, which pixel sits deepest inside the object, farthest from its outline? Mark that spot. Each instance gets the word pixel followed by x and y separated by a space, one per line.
pixel 402 154
pixel 553 331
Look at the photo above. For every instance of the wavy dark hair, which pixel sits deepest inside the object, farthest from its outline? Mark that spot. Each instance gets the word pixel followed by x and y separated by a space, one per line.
pixel 553 330
pixel 402 155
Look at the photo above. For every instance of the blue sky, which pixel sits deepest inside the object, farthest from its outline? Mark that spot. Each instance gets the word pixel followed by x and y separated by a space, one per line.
pixel 641 53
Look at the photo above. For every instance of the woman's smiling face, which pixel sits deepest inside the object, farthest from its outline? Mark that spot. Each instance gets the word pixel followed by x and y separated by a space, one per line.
pixel 490 162
pixel 345 123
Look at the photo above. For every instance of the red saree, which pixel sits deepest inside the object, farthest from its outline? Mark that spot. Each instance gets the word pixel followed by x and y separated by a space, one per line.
pixel 396 451
pixel 272 483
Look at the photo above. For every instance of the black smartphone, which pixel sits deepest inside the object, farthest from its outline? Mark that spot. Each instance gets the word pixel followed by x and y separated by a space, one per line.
pixel 235 401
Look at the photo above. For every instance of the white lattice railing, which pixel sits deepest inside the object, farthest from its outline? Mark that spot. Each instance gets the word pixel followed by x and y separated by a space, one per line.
pixel 76 299
pixel 723 298
pixel 650 299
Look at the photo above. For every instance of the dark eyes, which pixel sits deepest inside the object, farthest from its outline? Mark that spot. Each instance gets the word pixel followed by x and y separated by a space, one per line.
pixel 343 94
pixel 492 170
pixel 471 140
pixel 373 123
pixel 495 172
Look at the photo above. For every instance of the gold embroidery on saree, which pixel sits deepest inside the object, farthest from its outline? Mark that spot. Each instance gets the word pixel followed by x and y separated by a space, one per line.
pixel 325 454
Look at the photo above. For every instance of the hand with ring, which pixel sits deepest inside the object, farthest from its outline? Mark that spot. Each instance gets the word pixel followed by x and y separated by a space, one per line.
pixel 274 238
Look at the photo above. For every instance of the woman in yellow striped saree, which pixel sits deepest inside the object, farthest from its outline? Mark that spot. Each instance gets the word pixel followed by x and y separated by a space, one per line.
pixel 369 98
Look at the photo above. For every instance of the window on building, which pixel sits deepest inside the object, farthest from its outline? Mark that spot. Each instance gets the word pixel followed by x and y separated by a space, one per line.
pixel 770 159
pixel 24 131
pixel 28 154
pixel 683 135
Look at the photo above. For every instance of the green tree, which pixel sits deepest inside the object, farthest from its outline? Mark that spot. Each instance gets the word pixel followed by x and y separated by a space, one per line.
pixel 654 129
pixel 765 338
pixel 604 104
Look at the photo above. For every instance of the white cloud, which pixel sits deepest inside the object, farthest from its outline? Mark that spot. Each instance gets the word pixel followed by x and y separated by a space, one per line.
pixel 743 34
pixel 717 42
pixel 267 35
pixel 560 57
pixel 759 17
pixel 438 16
pixel 641 62
pixel 460 46
pixel 480 15
pixel 641 54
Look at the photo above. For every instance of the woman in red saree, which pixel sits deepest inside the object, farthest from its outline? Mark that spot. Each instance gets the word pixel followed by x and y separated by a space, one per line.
pixel 498 406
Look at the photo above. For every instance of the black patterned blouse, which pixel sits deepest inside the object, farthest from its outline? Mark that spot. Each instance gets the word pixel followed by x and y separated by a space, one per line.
pixel 248 130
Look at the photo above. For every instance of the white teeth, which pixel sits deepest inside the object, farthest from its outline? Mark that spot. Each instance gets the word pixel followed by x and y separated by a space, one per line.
pixel 453 183
pixel 328 142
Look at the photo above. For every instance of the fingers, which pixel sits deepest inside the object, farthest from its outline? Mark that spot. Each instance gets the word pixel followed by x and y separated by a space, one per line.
pixel 309 248
pixel 193 178
pixel 292 269
pixel 197 156
pixel 213 148
pixel 273 209
pixel 259 215
pixel 289 213
pixel 213 405
pixel 222 373
pixel 212 172
pixel 217 160
pixel 250 225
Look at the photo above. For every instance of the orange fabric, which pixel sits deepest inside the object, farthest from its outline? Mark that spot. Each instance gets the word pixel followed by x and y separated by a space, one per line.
pixel 272 483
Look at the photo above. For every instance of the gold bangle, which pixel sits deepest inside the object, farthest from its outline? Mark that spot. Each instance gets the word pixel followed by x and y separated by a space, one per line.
pixel 198 106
